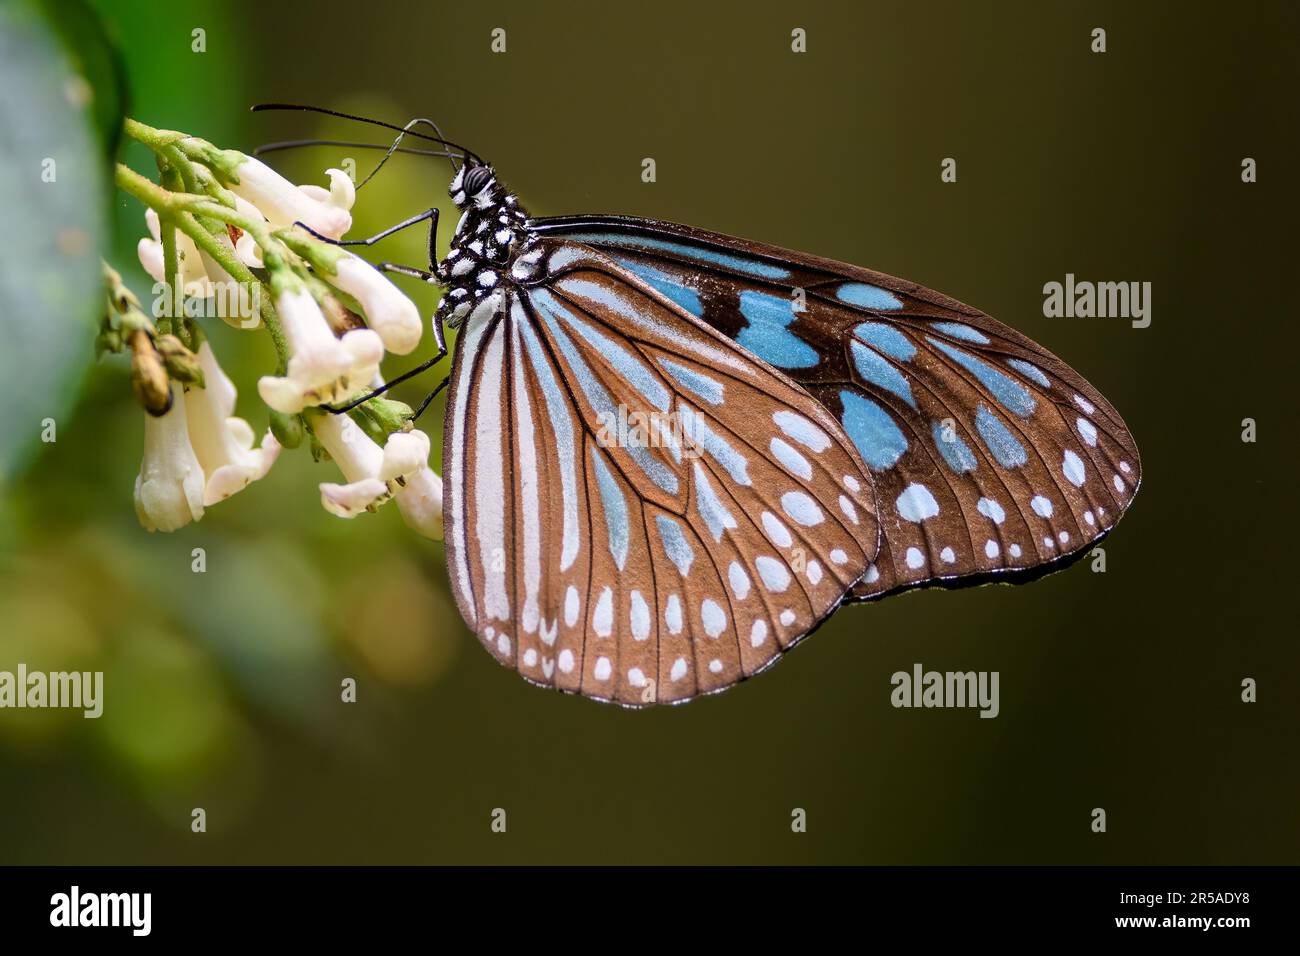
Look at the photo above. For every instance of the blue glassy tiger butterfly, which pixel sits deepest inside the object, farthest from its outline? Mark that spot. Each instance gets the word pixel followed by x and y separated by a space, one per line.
pixel 671 454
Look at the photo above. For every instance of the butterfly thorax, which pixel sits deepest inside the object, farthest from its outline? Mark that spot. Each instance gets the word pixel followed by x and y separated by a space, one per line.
pixel 487 238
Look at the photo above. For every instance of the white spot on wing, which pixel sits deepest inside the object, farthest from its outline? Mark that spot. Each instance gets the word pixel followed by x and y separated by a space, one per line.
pixel 802 430
pixel 603 620
pixel 991 510
pixel 571 606
pixel 776 531
pixel 673 614
pixel 794 462
pixel 739 580
pixel 713 617
pixel 640 617
pixel 775 575
pixel 1072 468
pixel 916 503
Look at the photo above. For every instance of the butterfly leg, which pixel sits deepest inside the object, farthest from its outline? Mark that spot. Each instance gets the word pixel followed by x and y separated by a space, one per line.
pixel 430 397
pixel 411 271
pixel 440 339
pixel 431 215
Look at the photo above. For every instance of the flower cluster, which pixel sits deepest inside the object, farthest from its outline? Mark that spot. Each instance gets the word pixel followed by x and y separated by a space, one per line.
pixel 333 316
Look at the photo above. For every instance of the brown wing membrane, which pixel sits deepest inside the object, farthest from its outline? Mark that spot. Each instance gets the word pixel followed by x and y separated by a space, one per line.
pixel 989 456
pixel 637 509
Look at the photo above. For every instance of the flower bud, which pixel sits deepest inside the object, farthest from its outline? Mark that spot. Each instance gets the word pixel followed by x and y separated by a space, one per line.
pixel 287 429
pixel 181 364
pixel 148 376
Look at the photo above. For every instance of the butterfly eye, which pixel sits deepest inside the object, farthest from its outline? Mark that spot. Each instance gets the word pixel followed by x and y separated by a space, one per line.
pixel 476 179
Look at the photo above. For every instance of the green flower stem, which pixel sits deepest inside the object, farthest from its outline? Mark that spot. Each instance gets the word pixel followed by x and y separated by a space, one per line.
pixel 171 263
pixel 174 319
pixel 183 206
pixel 155 139
pixel 222 162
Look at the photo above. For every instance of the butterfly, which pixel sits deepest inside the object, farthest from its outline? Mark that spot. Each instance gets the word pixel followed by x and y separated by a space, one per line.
pixel 671 454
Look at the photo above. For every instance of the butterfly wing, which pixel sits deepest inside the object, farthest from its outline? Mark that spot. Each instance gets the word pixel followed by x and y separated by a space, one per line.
pixel 990 456
pixel 637 509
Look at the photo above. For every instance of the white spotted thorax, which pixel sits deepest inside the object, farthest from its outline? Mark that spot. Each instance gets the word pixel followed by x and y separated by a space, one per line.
pixel 487 238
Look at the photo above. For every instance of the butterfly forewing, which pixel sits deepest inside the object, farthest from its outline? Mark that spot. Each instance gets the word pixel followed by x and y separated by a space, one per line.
pixel 988 455
pixel 638 509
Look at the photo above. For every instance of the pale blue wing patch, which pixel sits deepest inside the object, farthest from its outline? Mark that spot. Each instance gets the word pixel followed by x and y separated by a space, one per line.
pixel 1010 394
pixel 886 339
pixel 956 453
pixel 1002 445
pixel 1030 371
pixel 698 384
pixel 867 296
pixel 615 505
pixel 768 334
pixel 745 265
pixel 878 371
pixel 668 285
pixel 960 330
pixel 873 430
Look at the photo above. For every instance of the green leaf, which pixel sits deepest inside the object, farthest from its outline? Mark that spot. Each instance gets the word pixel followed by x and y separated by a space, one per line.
pixel 94 57
pixel 54 183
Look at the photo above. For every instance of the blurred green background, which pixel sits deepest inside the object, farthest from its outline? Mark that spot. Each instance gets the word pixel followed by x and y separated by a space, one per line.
pixel 1119 690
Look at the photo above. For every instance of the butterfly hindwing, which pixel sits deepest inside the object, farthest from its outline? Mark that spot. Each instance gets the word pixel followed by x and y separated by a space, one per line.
pixel 989 456
pixel 637 509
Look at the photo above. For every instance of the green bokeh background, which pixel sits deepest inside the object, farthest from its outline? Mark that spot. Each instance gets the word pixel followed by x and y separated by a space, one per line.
pixel 1118 690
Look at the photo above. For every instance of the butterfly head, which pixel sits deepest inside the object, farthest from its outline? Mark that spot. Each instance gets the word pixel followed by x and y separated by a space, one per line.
pixel 476 186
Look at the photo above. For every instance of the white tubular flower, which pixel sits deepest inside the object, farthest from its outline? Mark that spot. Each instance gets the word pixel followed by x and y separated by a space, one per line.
pixel 223 444
pixel 322 368
pixel 169 488
pixel 283 203
pixel 398 470
pixel 342 192
pixel 150 251
pixel 233 302
pixel 246 250
pixel 420 502
pixel 387 310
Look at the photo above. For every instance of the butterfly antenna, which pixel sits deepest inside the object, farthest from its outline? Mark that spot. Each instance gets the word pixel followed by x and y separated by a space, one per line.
pixel 397 145
pixel 470 155
pixel 297 143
